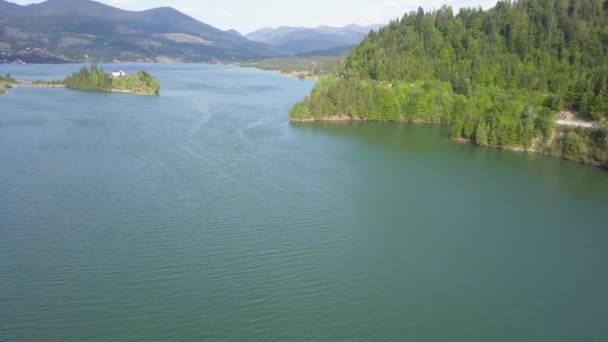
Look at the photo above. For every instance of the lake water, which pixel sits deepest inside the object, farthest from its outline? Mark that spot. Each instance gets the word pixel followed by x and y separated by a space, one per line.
pixel 203 214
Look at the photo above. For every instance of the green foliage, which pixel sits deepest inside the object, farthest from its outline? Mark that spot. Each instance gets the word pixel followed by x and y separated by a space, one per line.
pixel 499 76
pixel 573 145
pixel 6 82
pixel 481 134
pixel 96 79
pixel 139 83
pixel 585 145
pixel 7 78
pixel 300 112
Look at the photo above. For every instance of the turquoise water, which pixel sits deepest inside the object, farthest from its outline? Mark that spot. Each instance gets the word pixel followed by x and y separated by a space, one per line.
pixel 203 214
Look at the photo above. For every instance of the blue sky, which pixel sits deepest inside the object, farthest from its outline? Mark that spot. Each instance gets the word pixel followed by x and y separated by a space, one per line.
pixel 248 15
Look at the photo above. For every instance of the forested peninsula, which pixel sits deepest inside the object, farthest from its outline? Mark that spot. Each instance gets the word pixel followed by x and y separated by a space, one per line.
pixel 500 76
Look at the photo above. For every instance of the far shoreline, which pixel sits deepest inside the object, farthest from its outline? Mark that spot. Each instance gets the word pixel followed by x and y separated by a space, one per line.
pixel 294 74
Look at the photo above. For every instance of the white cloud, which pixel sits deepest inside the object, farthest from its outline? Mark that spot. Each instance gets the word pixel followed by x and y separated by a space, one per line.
pixel 227 14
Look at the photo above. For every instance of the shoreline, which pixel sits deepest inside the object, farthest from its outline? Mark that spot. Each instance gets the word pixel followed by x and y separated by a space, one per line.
pixel 119 91
pixel 344 118
pixel 24 85
pixel 334 118
pixel 294 74
pixel 533 149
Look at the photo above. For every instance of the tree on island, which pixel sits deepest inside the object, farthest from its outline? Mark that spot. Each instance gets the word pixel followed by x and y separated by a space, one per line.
pixel 96 79
pixel 7 78
pixel 141 83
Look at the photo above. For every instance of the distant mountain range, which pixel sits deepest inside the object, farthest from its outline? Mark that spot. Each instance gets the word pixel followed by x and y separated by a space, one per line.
pixel 85 30
pixel 301 40
pixel 88 31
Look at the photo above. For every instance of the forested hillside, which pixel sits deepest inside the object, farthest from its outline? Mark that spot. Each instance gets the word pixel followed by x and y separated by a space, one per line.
pixel 500 76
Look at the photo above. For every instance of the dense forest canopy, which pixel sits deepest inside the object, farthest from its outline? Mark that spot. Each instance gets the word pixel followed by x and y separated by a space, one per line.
pixel 500 76
pixel 95 79
pixel 552 46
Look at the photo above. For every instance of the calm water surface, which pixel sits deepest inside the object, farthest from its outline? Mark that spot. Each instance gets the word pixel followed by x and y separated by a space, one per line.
pixel 203 215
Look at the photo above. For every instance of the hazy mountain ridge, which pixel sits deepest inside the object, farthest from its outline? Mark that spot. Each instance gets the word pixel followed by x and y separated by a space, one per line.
pixel 234 33
pixel 268 34
pixel 298 40
pixel 71 30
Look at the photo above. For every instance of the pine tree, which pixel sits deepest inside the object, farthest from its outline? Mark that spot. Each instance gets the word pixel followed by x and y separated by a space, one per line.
pixel 481 134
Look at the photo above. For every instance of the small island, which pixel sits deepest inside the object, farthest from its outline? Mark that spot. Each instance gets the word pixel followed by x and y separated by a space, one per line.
pixel 141 83
pixel 95 79
pixel 6 82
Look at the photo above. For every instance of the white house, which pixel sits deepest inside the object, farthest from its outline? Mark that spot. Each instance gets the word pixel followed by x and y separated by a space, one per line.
pixel 119 73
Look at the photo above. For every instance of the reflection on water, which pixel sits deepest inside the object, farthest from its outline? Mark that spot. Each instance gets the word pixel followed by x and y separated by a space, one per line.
pixel 434 142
